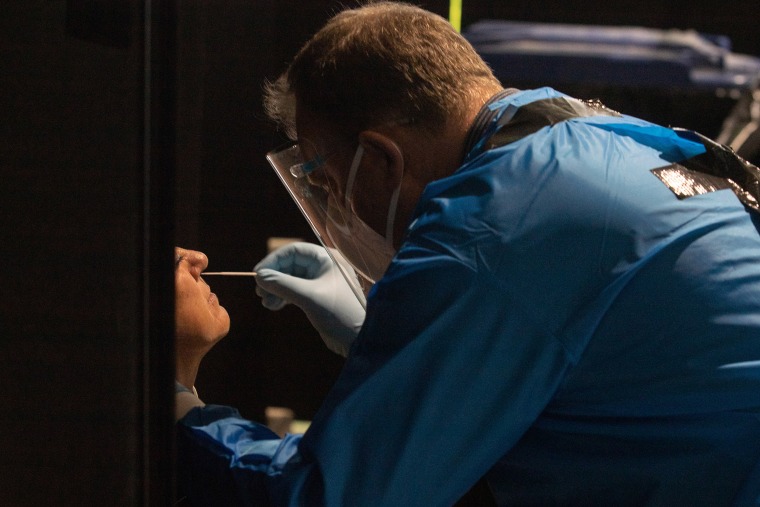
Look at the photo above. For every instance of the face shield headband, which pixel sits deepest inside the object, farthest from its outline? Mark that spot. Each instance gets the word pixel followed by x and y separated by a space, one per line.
pixel 361 254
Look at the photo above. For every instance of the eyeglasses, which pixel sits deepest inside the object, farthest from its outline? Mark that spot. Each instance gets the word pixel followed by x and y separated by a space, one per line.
pixel 305 167
pixel 302 169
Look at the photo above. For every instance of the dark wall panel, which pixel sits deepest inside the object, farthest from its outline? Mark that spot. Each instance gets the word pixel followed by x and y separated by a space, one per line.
pixel 73 342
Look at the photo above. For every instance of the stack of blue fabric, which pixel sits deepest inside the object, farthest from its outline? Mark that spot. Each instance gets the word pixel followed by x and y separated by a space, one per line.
pixel 611 55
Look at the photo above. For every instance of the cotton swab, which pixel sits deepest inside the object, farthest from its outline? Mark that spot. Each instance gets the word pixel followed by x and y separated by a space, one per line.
pixel 229 273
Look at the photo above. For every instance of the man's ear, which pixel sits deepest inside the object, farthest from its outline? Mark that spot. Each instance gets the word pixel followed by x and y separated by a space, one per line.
pixel 383 152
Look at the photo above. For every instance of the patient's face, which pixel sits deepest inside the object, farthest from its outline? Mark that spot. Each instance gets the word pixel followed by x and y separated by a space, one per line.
pixel 200 320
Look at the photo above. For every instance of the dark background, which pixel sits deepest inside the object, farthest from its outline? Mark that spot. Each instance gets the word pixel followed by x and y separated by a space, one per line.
pixel 121 137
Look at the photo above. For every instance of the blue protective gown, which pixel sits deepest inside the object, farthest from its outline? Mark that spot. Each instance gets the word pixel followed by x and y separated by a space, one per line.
pixel 557 321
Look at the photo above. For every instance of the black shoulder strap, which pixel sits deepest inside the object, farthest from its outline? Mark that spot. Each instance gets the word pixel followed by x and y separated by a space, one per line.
pixel 719 167
pixel 534 116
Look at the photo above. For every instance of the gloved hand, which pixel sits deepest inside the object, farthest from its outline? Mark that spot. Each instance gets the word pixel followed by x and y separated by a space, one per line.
pixel 303 274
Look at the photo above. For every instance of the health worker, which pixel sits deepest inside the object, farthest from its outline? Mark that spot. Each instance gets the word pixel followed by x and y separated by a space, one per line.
pixel 562 300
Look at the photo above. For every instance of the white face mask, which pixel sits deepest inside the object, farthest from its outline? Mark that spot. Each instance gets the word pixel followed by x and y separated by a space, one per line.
pixel 368 251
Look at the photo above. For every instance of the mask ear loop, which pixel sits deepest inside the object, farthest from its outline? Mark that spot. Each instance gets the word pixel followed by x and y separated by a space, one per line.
pixel 352 175
pixel 393 204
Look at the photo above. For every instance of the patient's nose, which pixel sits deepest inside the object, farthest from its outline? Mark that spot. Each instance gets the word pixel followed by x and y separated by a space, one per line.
pixel 197 260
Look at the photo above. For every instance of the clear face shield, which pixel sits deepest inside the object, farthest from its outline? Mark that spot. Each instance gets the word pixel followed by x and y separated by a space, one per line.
pixel 361 254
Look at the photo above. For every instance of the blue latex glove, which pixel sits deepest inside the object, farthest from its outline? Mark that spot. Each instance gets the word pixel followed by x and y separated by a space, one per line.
pixel 303 274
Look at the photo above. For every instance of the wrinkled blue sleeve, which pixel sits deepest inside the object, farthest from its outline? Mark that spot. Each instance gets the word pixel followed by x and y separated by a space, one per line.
pixel 429 399
pixel 224 459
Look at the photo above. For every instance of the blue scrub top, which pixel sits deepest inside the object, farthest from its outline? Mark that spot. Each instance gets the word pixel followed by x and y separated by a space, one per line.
pixel 560 322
